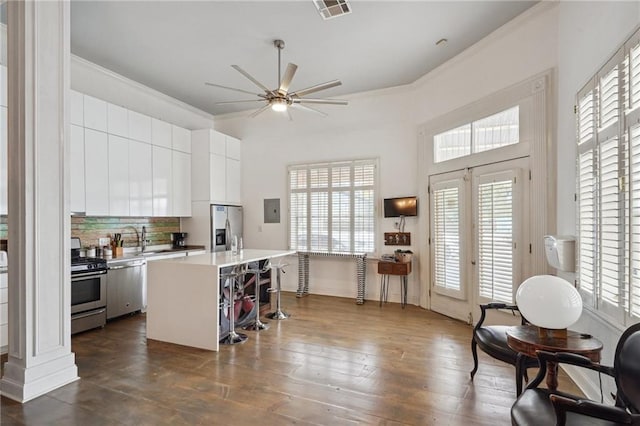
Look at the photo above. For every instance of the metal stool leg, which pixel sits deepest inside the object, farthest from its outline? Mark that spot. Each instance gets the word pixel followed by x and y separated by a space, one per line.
pixel 279 314
pixel 257 324
pixel 233 337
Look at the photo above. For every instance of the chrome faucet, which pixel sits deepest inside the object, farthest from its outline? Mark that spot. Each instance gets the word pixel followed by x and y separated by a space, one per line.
pixel 144 238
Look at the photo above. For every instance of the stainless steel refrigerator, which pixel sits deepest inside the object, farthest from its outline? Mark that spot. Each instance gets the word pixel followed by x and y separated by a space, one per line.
pixel 226 222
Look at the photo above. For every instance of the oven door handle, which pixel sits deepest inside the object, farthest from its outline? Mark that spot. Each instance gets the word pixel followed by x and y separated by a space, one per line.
pixel 87 274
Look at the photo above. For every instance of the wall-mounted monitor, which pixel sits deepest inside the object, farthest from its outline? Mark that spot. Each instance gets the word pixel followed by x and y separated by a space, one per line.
pixel 403 206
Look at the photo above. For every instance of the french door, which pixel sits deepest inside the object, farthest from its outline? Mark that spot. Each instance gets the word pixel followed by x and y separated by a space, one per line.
pixel 478 236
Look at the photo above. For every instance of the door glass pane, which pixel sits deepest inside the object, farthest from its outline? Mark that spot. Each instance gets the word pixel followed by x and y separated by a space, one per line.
pixel 495 240
pixel 446 238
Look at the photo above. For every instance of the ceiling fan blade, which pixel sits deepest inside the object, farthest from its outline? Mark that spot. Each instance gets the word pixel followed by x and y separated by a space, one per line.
pixel 317 88
pixel 306 108
pixel 250 77
pixel 320 101
pixel 239 101
pixel 264 108
pixel 288 76
pixel 232 88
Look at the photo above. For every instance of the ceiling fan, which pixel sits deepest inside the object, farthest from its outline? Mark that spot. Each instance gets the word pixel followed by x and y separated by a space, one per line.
pixel 281 98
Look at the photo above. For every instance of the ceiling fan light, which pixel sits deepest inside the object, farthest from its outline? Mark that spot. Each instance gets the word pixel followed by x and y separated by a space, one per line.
pixel 279 105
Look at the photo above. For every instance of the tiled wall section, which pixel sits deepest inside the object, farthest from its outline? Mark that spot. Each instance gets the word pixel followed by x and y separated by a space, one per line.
pixel 89 229
pixel 3 227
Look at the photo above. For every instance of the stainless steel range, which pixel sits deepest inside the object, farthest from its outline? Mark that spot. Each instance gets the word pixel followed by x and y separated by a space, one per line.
pixel 88 290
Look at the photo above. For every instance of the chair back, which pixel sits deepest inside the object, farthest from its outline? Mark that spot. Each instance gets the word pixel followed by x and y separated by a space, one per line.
pixel 627 368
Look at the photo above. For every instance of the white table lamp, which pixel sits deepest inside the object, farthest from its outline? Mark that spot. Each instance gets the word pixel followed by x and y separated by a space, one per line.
pixel 550 303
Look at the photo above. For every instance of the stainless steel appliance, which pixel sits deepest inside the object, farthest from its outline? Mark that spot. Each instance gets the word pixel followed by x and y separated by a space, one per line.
pixel 226 222
pixel 126 282
pixel 178 239
pixel 88 290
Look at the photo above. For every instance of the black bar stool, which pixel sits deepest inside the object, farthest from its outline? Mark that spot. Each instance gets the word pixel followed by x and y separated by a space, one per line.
pixel 279 314
pixel 234 285
pixel 258 325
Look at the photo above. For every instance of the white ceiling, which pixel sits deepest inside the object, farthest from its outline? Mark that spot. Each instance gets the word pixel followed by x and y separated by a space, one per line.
pixel 175 46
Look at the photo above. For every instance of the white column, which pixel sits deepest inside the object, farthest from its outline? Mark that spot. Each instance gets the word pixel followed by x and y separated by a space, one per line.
pixel 40 357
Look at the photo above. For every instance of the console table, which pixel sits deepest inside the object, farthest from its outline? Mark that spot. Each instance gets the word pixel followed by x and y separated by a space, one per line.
pixel 303 271
pixel 400 269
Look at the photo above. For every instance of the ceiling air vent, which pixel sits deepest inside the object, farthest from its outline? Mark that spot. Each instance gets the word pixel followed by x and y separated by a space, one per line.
pixel 331 8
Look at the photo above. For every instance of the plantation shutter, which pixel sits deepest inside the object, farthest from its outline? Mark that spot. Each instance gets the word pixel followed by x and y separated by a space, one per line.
pixel 446 227
pixel 332 206
pixel 495 236
pixel 634 222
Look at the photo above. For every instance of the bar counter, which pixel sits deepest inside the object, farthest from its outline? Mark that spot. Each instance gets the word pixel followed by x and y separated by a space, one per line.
pixel 183 296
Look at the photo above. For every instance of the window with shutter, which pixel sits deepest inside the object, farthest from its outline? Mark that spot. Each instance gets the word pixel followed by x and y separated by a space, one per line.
pixel 495 236
pixel 447 204
pixel 608 186
pixel 332 206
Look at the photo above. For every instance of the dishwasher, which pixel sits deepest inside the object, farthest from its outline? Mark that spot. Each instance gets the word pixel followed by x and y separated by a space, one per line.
pixel 126 286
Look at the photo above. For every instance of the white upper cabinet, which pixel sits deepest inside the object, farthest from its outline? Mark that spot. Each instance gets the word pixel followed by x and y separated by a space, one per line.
pixel 233 148
pixel 180 139
pixel 139 127
pixel 117 120
pixel 218 143
pixel 3 85
pixel 216 167
pixel 118 176
pixel 3 161
pixel 140 179
pixel 233 182
pixel 95 113
pixel 77 108
pixel 77 169
pixel 96 155
pixel 160 133
pixel 218 180
pixel 162 181
pixel 181 178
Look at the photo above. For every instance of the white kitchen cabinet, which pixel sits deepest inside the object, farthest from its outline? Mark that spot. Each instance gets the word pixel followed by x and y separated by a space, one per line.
pixel 139 127
pixel 95 113
pixel 217 176
pixel 4 313
pixel 77 169
pixel 162 181
pixel 4 176
pixel 218 143
pixel 118 176
pixel 233 183
pixel 117 120
pixel 233 148
pixel 180 139
pixel 96 160
pixel 181 178
pixel 77 108
pixel 140 179
pixel 160 133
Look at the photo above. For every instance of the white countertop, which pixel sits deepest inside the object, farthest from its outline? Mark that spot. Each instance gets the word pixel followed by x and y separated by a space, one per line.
pixel 226 258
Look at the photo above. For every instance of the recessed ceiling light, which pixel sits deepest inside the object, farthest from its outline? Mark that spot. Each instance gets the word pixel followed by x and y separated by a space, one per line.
pixel 332 8
pixel 441 42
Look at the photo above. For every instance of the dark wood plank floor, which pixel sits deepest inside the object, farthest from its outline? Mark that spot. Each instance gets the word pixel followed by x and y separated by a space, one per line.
pixel 331 363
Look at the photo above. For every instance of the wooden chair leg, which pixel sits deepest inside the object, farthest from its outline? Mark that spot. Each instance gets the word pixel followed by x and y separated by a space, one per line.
pixel 519 373
pixel 474 351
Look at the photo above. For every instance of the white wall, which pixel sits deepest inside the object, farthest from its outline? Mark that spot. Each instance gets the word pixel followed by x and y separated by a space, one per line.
pixel 380 124
pixel 589 34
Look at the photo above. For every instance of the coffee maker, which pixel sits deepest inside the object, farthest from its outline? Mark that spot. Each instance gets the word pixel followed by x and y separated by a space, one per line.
pixel 178 239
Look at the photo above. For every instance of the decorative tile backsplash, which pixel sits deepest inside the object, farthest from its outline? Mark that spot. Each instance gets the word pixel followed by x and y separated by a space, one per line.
pixel 90 229
pixel 3 227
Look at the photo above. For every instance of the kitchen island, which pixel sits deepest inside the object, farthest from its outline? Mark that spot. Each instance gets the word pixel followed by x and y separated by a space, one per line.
pixel 183 295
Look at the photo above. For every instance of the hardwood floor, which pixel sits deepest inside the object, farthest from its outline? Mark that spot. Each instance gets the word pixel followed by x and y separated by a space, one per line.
pixel 332 363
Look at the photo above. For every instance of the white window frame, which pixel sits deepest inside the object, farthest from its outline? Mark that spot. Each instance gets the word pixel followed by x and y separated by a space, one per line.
pixel 341 163
pixel 628 117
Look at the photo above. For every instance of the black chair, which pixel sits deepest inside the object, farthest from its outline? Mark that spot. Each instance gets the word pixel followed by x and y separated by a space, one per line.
pixel 492 339
pixel 538 406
